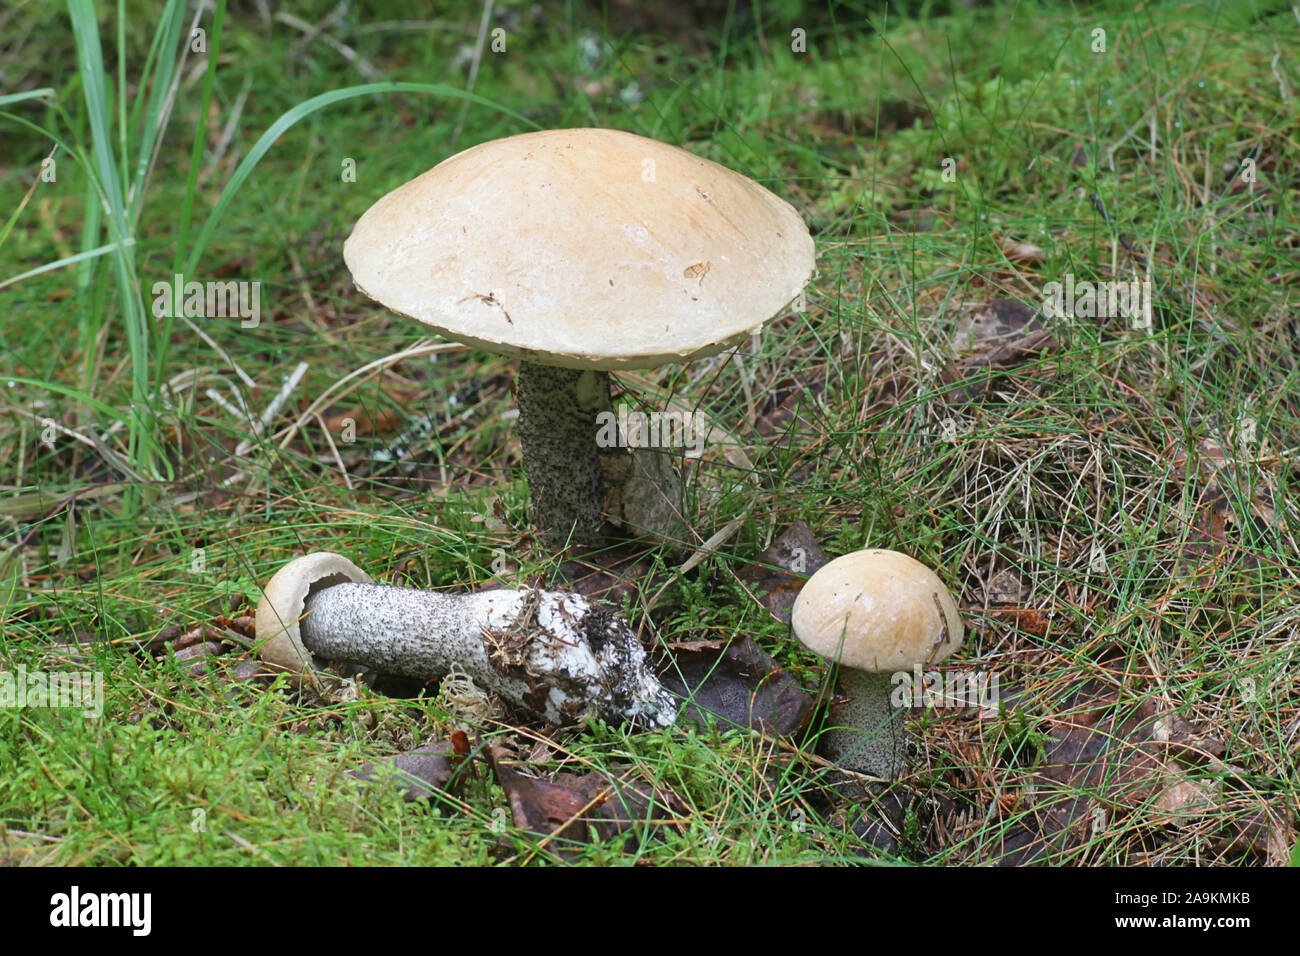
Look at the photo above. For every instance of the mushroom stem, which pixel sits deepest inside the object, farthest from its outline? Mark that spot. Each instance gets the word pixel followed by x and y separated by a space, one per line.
pixel 551 652
pixel 557 429
pixel 866 732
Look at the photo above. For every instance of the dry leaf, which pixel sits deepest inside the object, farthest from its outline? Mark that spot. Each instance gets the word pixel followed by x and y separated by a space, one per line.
pixel 581 809
pixel 996 336
pixel 1022 253
pixel 737 685
pixel 418 774
pixel 782 569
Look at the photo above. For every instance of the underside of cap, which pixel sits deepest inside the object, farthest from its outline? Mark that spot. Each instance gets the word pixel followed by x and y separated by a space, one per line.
pixel 283 602
pixel 585 248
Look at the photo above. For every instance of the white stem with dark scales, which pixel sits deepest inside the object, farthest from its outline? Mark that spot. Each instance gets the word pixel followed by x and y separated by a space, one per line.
pixel 866 733
pixel 551 652
pixel 557 431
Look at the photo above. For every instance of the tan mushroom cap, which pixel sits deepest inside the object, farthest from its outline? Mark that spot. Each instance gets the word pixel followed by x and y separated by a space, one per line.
pixel 889 611
pixel 284 600
pixel 584 248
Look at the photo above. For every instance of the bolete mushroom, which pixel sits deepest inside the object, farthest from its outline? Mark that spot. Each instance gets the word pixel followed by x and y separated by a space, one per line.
pixel 551 652
pixel 874 613
pixel 581 251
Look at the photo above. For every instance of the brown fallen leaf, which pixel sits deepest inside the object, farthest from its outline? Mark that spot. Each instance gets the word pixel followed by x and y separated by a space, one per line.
pixel 197 654
pixel 417 775
pixel 1006 586
pixel 199 635
pixel 1186 740
pixel 736 684
pixel 996 336
pixel 364 422
pixel 1185 798
pixel 165 636
pixel 1109 753
pixel 1022 253
pixel 246 670
pixel 1100 759
pixel 1235 495
pixel 788 409
pixel 1266 830
pixel 231 633
pixel 879 822
pixel 782 568
pixel 1212 538
pixel 615 573
pixel 245 624
pixel 581 809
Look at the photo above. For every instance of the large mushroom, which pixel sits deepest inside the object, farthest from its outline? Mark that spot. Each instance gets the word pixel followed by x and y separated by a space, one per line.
pixel 875 613
pixel 581 251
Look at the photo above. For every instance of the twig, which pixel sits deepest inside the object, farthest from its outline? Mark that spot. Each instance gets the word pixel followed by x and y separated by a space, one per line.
pixel 473 69
pixel 338 459
pixel 273 408
pixel 364 66
pixel 227 131
pixel 109 456
pixel 328 395
pixel 1123 239
pixel 243 376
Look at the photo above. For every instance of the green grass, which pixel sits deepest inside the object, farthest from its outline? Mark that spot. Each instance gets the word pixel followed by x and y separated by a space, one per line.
pixel 1076 477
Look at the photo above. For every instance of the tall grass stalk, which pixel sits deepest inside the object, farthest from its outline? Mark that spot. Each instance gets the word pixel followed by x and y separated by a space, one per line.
pixel 118 160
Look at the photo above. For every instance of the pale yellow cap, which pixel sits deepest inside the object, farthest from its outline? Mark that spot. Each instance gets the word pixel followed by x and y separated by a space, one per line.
pixel 583 248
pixel 878 611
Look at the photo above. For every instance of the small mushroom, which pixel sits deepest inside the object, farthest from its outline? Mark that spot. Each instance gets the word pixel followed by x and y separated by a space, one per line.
pixel 875 613
pixel 552 652
pixel 582 251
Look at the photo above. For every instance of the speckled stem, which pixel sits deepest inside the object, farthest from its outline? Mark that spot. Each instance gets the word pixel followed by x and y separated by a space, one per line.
pixel 551 652
pixel 557 429
pixel 866 733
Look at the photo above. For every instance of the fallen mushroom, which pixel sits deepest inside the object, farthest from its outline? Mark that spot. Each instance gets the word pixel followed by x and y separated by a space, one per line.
pixel 875 613
pixel 582 251
pixel 551 652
